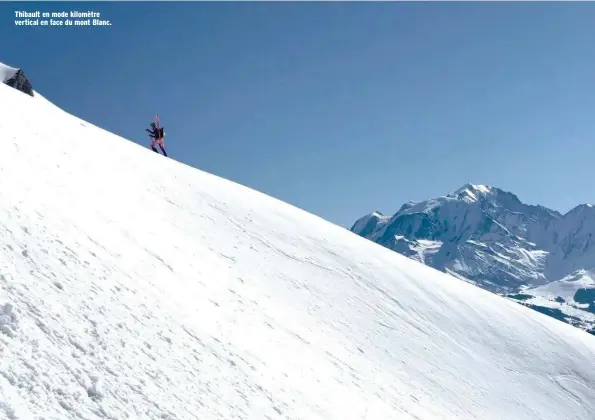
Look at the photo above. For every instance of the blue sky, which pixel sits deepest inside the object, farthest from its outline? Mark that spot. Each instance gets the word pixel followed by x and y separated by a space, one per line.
pixel 337 108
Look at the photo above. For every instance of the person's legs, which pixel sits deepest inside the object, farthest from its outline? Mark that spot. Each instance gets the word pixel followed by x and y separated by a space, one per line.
pixel 153 146
pixel 163 150
pixel 162 146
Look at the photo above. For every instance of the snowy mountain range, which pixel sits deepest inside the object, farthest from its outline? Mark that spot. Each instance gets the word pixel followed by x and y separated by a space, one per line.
pixel 488 237
pixel 135 287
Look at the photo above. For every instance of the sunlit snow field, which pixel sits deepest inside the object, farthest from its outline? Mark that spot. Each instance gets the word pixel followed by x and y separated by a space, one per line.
pixel 135 287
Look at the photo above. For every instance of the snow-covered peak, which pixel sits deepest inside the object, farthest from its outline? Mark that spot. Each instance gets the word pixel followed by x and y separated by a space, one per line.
pixel 496 198
pixel 505 243
pixel 581 210
pixel 472 192
pixel 369 222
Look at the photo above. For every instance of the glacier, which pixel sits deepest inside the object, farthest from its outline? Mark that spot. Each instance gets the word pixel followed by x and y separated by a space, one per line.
pixel 133 286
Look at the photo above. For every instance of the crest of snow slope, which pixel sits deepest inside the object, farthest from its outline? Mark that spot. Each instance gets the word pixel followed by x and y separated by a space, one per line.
pixel 132 286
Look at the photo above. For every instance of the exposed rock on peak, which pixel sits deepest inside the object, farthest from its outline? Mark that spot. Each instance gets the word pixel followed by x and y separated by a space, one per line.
pixel 16 79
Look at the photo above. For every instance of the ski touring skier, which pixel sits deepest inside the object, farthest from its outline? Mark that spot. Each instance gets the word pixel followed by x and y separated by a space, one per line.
pixel 156 134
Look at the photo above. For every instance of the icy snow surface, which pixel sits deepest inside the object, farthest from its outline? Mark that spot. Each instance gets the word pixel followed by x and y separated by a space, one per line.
pixel 135 287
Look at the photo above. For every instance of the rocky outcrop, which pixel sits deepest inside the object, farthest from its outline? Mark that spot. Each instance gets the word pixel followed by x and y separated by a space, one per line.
pixel 20 82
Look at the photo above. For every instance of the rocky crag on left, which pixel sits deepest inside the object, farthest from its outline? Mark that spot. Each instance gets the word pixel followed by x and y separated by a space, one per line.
pixel 16 79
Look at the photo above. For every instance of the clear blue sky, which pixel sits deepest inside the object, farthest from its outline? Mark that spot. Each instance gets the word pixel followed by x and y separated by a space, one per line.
pixel 338 108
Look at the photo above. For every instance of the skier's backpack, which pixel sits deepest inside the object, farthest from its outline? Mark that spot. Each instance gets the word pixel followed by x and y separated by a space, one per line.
pixel 161 133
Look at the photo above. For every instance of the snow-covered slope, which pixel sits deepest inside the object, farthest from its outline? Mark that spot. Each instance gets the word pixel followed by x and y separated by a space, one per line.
pixel 489 237
pixel 135 287
pixel 567 287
